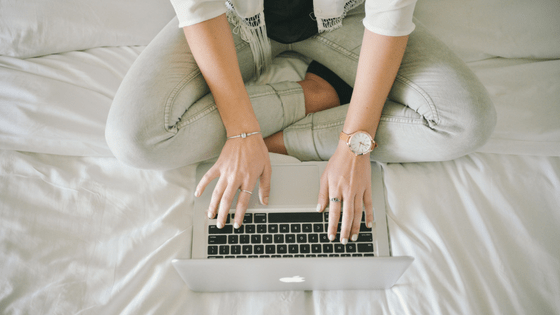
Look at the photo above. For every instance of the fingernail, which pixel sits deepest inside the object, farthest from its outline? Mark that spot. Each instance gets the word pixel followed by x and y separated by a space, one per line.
pixel 220 225
pixel 319 207
pixel 370 224
pixel 354 237
pixel 235 225
pixel 210 215
pixel 197 193
pixel 331 237
pixel 344 241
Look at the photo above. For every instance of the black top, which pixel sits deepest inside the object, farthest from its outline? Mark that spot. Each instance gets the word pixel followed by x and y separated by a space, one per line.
pixel 289 21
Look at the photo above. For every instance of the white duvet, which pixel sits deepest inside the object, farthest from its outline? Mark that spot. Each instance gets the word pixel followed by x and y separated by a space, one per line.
pixel 88 235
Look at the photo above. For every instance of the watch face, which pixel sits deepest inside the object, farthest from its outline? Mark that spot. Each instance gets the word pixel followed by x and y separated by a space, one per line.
pixel 360 143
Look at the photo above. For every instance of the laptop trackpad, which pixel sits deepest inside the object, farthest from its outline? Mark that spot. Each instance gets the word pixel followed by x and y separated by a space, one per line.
pixel 294 185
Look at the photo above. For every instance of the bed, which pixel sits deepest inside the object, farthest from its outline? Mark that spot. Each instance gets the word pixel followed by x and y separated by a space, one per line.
pixel 81 233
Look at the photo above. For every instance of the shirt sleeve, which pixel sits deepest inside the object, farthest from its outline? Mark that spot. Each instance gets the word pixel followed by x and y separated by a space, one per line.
pixel 390 17
pixel 191 12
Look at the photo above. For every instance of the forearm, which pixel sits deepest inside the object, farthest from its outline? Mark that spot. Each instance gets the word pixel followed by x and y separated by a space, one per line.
pixel 213 48
pixel 380 58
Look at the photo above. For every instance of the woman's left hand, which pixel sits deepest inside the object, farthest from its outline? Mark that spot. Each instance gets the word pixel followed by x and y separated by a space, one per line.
pixel 347 177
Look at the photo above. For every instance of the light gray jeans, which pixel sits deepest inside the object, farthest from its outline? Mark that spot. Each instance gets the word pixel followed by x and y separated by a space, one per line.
pixel 164 115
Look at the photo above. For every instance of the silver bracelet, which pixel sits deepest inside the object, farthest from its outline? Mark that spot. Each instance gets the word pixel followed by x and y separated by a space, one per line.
pixel 244 135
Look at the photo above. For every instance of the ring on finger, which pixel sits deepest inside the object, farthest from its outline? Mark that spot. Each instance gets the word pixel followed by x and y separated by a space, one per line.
pixel 334 199
pixel 246 191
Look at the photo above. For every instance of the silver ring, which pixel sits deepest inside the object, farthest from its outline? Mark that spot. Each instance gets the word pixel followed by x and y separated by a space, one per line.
pixel 249 192
pixel 334 200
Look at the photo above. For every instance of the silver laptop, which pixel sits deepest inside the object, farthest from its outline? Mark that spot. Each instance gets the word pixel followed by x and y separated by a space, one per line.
pixel 284 246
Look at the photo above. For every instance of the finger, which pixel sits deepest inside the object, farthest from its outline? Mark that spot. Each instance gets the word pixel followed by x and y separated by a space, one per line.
pixel 212 173
pixel 225 205
pixel 216 197
pixel 347 218
pixel 368 207
pixel 356 221
pixel 264 184
pixel 242 203
pixel 323 200
pixel 334 215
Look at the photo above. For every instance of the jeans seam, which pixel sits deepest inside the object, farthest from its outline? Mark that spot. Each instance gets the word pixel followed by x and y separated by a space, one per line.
pixel 206 111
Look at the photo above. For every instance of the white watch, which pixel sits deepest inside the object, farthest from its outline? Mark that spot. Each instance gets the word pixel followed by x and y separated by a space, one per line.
pixel 359 142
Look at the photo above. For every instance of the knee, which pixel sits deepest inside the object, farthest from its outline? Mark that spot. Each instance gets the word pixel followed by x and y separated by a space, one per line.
pixel 129 144
pixel 472 129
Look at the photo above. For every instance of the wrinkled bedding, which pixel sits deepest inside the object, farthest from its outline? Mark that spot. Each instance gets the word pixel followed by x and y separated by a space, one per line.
pixel 81 233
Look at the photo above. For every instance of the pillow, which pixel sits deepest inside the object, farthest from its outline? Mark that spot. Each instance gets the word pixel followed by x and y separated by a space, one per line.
pixel 30 28
pixel 481 29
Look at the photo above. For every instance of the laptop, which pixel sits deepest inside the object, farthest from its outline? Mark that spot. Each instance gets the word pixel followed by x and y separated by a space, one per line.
pixel 284 246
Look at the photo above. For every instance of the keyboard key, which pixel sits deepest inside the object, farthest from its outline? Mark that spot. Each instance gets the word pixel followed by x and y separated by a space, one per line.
pixel 311 255
pixel 255 239
pixel 241 256
pixel 334 255
pixel 240 230
pixel 295 228
pixel 307 228
pixel 290 238
pixel 224 250
pixel 264 256
pixel 270 249
pixel 278 238
pixel 364 228
pixel 248 218
pixel 357 255
pixel 365 237
pixel 217 239
pixel 293 249
pixel 318 228
pixel 260 217
pixel 339 248
pixel 247 249
pixel 213 229
pixel 275 256
pixel 273 228
pixel 302 238
pixel 304 248
pixel 233 239
pixel 327 248
pixel 252 256
pixel 267 238
pixel 351 248
pixel 294 217
pixel 326 216
pixel 345 255
pixel 298 256
pixel 250 228
pixel 365 248
pixel 313 238
pixel 261 228
pixel 284 228
pixel 322 255
pixel 316 248
pixel 258 249
pixel 236 249
pixel 215 257
pixel 288 256
pixel 244 239
pixel 369 255
pixel 324 238
pixel 282 249
pixel 212 250
pixel 229 257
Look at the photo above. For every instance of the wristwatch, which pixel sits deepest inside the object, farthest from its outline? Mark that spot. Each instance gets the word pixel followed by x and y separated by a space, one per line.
pixel 359 142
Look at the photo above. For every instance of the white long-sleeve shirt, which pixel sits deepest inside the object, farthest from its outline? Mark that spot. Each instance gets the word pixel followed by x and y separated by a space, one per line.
pixel 384 17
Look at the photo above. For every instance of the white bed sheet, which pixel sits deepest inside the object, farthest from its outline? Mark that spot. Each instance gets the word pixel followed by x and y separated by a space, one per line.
pixel 88 235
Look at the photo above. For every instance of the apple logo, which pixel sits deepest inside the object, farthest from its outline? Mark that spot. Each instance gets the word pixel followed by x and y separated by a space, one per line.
pixel 292 279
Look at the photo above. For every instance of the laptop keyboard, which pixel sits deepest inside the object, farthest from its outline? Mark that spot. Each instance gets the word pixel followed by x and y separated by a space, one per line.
pixel 284 235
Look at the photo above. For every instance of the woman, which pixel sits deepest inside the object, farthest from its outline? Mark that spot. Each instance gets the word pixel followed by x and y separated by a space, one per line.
pixel 420 105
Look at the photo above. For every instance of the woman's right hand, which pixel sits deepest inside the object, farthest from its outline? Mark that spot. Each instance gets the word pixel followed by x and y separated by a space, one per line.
pixel 240 164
